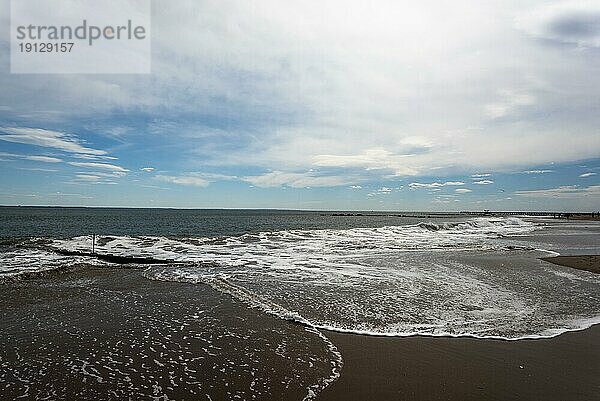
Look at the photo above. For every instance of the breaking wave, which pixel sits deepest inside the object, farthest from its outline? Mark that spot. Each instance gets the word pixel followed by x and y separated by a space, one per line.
pixel 467 278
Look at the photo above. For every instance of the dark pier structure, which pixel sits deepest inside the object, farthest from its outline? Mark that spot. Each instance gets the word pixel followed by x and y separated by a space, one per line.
pixel 549 214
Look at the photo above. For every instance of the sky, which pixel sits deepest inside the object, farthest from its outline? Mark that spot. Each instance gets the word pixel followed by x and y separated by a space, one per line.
pixel 343 105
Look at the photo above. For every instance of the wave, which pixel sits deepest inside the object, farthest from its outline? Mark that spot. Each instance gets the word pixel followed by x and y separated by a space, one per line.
pixel 223 283
pixel 477 233
pixel 458 278
pixel 24 263
pixel 479 223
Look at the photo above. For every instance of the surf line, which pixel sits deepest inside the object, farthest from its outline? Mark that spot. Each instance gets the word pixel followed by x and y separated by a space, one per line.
pixel 119 259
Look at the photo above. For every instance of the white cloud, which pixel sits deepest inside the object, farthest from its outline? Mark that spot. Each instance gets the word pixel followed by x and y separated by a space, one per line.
pixel 462 190
pixel 184 180
pixel 87 177
pixel 562 192
pixel 93 157
pixel 480 175
pixel 355 93
pixel 355 187
pixel 381 191
pixel 147 169
pixel 483 182
pixel 45 170
pixel 370 159
pixel 510 102
pixel 47 138
pixel 45 159
pixel 194 179
pixel 297 180
pixel 100 166
pixel 37 158
pixel 417 185
pixel 537 171
pixel 590 174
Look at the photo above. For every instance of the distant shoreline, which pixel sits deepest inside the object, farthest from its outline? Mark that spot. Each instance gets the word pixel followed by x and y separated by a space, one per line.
pixel 572 215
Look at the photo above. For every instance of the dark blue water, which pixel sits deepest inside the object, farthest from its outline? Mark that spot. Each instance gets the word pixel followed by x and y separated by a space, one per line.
pixel 68 222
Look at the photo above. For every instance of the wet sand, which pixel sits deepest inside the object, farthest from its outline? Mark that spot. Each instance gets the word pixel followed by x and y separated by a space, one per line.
pixel 111 334
pixel 566 367
pixel 590 263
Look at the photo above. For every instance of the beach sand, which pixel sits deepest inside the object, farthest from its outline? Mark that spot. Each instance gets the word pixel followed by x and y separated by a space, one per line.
pixel 111 334
pixel 590 263
pixel 566 367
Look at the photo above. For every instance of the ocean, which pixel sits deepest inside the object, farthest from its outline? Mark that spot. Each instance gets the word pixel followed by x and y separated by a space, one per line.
pixel 239 303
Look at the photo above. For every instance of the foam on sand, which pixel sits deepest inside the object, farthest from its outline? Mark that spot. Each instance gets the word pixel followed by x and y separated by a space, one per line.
pixel 394 280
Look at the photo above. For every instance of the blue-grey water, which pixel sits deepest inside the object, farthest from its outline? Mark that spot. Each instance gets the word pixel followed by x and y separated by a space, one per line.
pixel 64 222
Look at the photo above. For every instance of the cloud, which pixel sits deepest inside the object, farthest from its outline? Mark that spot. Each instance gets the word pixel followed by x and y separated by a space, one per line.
pixel 100 166
pixel 184 180
pixel 590 174
pixel 297 180
pixel 483 182
pixel 370 159
pixel 45 170
pixel 462 190
pixel 381 191
pixel 286 86
pixel 147 169
pixel 562 192
pixel 417 185
pixel 355 187
pixel 45 159
pixel 87 177
pixel 510 102
pixel 480 175
pixel 572 22
pixel 194 179
pixel 537 171
pixel 47 138
pixel 37 158
pixel 93 157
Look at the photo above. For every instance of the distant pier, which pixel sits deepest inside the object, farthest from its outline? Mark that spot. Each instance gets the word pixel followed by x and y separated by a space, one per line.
pixel 555 215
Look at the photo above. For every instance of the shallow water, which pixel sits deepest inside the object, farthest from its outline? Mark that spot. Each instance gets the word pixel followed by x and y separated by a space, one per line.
pixel 101 334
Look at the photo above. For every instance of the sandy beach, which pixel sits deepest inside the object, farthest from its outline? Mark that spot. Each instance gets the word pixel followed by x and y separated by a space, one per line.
pixel 566 367
pixel 590 263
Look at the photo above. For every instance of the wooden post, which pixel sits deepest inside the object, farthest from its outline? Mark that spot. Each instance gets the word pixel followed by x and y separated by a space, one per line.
pixel 93 243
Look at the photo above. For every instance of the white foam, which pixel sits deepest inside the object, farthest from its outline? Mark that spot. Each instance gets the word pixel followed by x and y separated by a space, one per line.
pixel 397 281
pixel 394 280
pixel 32 261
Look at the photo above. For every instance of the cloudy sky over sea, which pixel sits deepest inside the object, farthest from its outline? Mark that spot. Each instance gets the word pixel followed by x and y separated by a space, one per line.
pixel 389 105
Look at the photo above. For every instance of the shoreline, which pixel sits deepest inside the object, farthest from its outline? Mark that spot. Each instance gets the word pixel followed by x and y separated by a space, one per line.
pixel 590 263
pixel 565 367
pixel 463 368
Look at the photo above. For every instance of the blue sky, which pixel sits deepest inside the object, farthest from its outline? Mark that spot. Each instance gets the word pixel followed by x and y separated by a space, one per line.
pixel 321 105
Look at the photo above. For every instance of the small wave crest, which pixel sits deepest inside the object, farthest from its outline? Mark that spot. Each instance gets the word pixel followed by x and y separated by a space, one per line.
pixel 22 263
pixel 513 224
